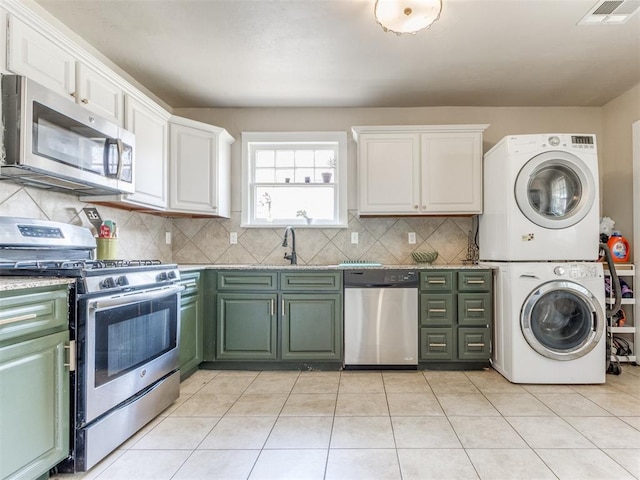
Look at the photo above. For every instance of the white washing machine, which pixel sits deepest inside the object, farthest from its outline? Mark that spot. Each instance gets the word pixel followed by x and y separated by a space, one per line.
pixel 541 199
pixel 550 322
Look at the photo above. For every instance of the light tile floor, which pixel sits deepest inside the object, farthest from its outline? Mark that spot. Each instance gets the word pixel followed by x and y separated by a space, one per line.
pixel 358 425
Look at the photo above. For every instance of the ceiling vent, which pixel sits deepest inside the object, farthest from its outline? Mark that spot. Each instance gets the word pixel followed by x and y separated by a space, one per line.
pixel 610 12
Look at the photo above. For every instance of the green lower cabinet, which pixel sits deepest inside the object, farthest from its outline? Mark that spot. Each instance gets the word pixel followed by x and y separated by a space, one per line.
pixel 311 327
pixel 474 343
pixel 191 324
pixel 246 326
pixel 436 344
pixel 474 309
pixel 34 406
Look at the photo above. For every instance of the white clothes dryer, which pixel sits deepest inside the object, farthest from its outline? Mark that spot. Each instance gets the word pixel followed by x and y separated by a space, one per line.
pixel 550 323
pixel 541 199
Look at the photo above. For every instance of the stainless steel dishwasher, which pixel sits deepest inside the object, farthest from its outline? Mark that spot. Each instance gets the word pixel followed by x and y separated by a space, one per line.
pixel 380 318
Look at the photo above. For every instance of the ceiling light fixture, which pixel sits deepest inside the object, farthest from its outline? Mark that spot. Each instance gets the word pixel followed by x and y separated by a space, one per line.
pixel 406 16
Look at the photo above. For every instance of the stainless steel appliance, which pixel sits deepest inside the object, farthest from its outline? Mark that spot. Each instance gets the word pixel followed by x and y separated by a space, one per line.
pixel 52 142
pixel 380 317
pixel 125 318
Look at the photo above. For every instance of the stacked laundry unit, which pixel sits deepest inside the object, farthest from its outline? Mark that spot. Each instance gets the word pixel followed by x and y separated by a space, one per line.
pixel 540 230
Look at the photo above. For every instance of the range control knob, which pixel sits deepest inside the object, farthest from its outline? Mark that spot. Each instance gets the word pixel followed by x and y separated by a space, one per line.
pixel 107 282
pixel 162 276
pixel 171 274
pixel 559 271
pixel 122 281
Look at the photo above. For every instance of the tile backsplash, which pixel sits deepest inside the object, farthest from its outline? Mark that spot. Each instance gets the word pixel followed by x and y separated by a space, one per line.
pixel 140 236
pixel 206 240
pixel 383 240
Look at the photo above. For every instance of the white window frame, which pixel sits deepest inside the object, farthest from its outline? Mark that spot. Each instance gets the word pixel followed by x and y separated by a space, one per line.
pixel 248 219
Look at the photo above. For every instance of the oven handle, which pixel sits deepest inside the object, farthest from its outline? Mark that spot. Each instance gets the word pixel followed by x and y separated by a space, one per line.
pixel 135 297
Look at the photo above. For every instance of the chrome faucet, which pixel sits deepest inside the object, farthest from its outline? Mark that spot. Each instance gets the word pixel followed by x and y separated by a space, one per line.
pixel 292 256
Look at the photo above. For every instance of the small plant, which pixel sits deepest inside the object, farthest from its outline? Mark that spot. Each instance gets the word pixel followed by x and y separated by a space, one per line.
pixel 303 214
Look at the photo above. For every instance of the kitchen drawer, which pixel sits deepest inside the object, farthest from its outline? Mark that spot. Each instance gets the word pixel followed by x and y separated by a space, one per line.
pixel 474 309
pixel 436 344
pixel 33 312
pixel 436 280
pixel 474 281
pixel 308 281
pixel 436 309
pixel 474 343
pixel 191 282
pixel 244 281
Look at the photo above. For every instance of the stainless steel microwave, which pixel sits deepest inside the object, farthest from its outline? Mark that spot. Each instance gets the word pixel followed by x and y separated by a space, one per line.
pixel 52 142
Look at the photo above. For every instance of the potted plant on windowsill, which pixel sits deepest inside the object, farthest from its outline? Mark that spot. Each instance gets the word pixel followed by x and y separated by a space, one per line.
pixel 303 214
pixel 326 176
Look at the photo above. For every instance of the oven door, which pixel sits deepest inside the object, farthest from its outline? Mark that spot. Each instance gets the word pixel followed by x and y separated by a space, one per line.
pixel 131 341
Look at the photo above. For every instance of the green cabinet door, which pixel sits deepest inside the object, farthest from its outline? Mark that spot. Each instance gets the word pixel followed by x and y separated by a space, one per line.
pixel 437 309
pixel 436 344
pixel 311 326
pixel 34 406
pixel 246 326
pixel 474 343
pixel 191 324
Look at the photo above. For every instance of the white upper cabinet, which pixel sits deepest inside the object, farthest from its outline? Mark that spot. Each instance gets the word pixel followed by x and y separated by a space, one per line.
pixel 32 54
pixel 99 94
pixel 150 172
pixel 199 166
pixel 419 169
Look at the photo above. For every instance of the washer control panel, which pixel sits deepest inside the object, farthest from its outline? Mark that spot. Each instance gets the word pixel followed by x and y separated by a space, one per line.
pixel 576 271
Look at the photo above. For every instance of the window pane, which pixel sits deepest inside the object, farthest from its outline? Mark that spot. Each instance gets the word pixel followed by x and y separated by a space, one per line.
pixel 303 173
pixel 324 158
pixel 281 203
pixel 284 175
pixel 284 158
pixel 304 158
pixel 265 158
pixel 265 175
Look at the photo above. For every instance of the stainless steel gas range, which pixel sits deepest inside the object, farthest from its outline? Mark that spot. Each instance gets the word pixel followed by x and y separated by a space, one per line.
pixel 124 324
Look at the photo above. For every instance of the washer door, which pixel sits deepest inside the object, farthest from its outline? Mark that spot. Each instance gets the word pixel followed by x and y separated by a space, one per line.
pixel 555 190
pixel 562 320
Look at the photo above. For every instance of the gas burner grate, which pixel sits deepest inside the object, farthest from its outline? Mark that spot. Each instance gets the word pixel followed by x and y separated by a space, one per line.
pixel 126 263
pixel 50 264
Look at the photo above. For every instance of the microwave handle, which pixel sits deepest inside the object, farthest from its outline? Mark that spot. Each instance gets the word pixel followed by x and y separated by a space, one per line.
pixel 106 156
pixel 120 160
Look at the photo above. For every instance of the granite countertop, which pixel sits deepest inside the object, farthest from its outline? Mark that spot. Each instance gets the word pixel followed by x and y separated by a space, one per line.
pixel 16 283
pixel 188 267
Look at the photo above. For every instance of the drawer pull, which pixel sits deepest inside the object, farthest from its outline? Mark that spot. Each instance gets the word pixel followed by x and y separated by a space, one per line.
pixel 72 355
pixel 437 344
pixel 475 344
pixel 437 310
pixel 475 310
pixel 475 282
pixel 440 281
pixel 189 284
pixel 19 318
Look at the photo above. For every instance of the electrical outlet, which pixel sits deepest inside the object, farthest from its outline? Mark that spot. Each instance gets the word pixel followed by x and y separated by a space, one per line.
pixel 233 238
pixel 412 237
pixel 167 238
pixel 354 237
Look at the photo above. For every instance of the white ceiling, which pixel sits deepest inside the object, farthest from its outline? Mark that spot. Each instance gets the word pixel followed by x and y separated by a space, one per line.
pixel 332 53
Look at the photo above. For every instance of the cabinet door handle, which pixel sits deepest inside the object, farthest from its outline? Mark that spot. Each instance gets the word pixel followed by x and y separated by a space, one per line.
pixel 19 318
pixel 273 307
pixel 72 355
pixel 440 281
pixel 437 344
pixel 415 206
pixel 283 307
pixel 84 100
pixel 475 310
pixel 437 310
pixel 475 344
pixel 475 282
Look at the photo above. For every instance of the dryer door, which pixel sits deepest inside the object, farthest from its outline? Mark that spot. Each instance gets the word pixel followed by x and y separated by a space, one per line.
pixel 555 190
pixel 562 320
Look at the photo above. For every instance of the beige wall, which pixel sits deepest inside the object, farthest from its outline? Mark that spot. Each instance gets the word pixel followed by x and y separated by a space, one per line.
pixel 616 159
